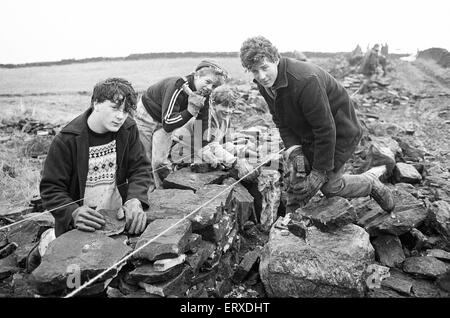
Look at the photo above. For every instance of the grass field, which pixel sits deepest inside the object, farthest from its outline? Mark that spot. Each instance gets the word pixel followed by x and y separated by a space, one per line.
pixel 56 94
pixel 82 77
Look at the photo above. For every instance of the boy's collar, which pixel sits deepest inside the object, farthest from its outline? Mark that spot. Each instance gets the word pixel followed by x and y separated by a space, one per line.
pixel 79 124
pixel 281 80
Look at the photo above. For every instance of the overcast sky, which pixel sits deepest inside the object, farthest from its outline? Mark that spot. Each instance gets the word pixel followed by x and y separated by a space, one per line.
pixel 48 30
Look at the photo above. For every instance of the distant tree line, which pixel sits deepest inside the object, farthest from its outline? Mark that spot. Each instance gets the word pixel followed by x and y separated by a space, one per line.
pixel 146 56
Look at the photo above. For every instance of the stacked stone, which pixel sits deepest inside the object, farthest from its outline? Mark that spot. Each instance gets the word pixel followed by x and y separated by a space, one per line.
pixel 197 255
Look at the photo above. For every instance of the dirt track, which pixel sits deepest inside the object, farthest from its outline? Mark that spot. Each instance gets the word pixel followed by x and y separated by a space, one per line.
pixel 429 116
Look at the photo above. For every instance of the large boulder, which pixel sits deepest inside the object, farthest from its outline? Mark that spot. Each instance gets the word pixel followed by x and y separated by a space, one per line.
pixel 77 257
pixel 321 265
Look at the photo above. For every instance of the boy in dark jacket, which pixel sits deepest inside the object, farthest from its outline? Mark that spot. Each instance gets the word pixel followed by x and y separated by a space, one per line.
pixel 317 123
pixel 169 104
pixel 98 162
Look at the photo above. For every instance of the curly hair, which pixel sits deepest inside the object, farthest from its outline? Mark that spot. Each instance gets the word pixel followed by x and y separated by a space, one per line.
pixel 116 90
pixel 255 49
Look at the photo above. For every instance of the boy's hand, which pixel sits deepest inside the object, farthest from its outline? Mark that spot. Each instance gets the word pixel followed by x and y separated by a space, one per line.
pixel 136 219
pixel 244 168
pixel 195 103
pixel 87 219
pixel 208 156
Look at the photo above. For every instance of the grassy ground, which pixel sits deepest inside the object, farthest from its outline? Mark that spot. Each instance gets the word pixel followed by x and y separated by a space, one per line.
pixel 19 174
pixel 76 78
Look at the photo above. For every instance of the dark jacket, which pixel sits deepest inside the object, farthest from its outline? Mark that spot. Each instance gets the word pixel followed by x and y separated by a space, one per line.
pixel 167 103
pixel 314 110
pixel 66 168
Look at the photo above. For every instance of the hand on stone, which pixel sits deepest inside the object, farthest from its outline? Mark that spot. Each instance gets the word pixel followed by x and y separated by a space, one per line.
pixel 87 219
pixel 208 156
pixel 135 217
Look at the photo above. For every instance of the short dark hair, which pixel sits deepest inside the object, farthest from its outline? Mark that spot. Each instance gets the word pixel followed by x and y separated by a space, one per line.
pixel 116 90
pixel 255 49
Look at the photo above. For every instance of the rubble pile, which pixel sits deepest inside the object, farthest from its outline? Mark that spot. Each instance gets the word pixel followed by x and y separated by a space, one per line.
pixel 29 126
pixel 311 252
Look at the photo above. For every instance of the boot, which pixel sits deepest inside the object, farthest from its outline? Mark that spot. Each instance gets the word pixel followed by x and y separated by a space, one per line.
pixel 381 194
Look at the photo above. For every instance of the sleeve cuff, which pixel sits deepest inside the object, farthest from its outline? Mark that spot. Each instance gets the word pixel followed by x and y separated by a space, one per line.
pixel 288 151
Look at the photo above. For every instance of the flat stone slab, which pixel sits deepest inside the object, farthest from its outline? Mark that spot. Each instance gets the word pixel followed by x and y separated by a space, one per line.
pixel 439 254
pixel 177 286
pixel 176 204
pixel 425 266
pixel 389 250
pixel 76 252
pixel 147 274
pixel 439 217
pixel 399 282
pixel 113 225
pixel 384 292
pixel 170 244
pixel 368 216
pixel 188 180
pixel 423 288
pixel 329 214
pixel 407 218
pixel 404 172
pixel 169 203
pixel 323 265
